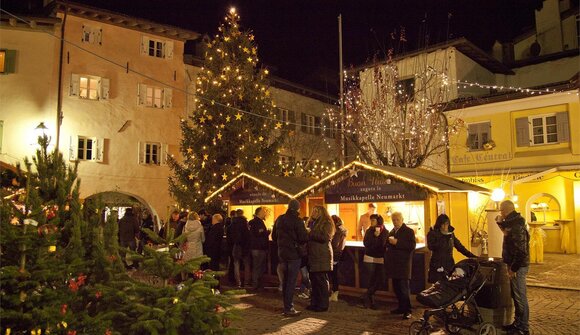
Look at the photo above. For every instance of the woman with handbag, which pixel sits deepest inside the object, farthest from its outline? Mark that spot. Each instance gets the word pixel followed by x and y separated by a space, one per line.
pixel 320 258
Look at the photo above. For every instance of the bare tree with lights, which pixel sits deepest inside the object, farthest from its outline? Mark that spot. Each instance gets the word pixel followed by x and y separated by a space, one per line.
pixel 232 127
pixel 395 121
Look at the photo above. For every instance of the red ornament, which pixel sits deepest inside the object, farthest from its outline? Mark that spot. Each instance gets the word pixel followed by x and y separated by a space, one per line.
pixel 98 295
pixel 108 332
pixel 198 274
pixel 81 279
pixel 73 285
pixel 63 309
pixel 72 332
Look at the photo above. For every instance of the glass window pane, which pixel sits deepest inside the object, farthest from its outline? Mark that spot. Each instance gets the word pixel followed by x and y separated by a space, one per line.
pixel 553 138
pixel 537 122
pixel 81 149
pixel 538 139
pixel 550 120
pixel 551 129
pixel 538 131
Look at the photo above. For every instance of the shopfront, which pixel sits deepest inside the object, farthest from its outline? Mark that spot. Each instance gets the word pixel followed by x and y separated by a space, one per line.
pixel 419 194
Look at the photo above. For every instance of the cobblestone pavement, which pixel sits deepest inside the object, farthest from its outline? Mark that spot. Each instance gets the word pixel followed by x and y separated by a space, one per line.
pixel 552 311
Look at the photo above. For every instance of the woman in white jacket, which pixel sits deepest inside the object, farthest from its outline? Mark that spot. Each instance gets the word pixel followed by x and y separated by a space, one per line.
pixel 195 237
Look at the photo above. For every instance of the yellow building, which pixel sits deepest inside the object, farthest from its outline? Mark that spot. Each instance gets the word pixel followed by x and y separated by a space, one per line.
pixel 527 148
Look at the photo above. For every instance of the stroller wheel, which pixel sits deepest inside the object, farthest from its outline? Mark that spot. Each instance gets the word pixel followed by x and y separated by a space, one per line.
pixel 486 328
pixel 452 329
pixel 417 328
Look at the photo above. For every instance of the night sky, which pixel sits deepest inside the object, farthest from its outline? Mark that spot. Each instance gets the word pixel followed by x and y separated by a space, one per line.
pixel 298 40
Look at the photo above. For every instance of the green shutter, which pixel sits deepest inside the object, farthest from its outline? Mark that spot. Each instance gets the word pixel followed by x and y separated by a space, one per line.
pixel 9 61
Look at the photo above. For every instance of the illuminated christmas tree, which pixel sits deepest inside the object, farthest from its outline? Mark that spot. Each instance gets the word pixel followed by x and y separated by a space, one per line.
pixel 232 127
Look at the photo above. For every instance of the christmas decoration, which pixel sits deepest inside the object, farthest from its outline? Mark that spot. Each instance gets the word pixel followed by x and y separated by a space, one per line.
pixel 232 127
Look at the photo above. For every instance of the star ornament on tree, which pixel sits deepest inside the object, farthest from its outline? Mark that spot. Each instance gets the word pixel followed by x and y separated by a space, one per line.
pixel 278 125
pixel 238 116
pixel 257 159
pixel 224 176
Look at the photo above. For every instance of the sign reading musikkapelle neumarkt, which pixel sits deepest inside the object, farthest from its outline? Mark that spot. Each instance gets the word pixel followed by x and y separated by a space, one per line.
pixel 256 195
pixel 366 186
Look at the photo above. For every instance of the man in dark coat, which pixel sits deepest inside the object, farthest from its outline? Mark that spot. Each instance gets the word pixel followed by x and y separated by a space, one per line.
pixel 239 235
pixel 516 254
pixel 129 228
pixel 258 246
pixel 291 236
pixel 399 260
pixel 214 240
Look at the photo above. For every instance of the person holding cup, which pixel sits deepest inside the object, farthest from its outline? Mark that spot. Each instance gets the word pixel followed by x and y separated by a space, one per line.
pixel 399 260
pixel 375 239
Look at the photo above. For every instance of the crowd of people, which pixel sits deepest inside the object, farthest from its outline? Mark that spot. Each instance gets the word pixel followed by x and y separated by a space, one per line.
pixel 313 247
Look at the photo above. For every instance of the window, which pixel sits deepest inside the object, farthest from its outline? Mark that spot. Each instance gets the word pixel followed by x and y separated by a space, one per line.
pixel 92 35
pixel 84 148
pixel 152 153
pixel 405 90
pixel 330 129
pixel 156 97
pixel 156 48
pixel 287 117
pixel 7 61
pixel 310 124
pixel 89 87
pixel 478 134
pixel 542 129
pixel 283 115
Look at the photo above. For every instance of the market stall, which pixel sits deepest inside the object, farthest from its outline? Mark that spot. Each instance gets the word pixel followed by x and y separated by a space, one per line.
pixel 419 194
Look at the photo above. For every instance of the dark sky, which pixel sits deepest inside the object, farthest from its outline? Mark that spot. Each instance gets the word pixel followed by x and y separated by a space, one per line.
pixel 299 38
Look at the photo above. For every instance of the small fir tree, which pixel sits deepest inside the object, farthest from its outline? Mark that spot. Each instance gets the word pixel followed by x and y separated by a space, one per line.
pixel 232 127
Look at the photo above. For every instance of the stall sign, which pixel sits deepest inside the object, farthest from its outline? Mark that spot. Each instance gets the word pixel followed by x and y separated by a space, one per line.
pixel 256 196
pixel 366 186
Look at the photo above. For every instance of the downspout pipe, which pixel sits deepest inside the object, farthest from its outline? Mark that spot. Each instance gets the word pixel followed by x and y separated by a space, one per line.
pixel 59 113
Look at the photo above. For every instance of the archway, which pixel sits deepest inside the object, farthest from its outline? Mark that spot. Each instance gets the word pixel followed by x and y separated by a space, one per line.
pixel 542 207
pixel 119 201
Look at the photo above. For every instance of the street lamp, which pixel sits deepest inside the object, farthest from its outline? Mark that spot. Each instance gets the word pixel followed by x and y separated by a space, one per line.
pixel 40 130
pixel 497 195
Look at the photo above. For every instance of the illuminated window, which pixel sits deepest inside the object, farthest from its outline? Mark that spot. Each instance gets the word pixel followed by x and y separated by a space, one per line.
pixel 156 97
pixel 7 61
pixel 89 87
pixel 85 148
pixel 544 130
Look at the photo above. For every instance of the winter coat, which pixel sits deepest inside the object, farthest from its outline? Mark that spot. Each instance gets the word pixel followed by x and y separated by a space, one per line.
pixel 375 245
pixel 319 247
pixel 338 242
pixel 399 257
pixel 174 225
pixel 239 234
pixel 441 247
pixel 516 241
pixel 213 240
pixel 258 234
pixel 129 228
pixel 289 232
pixel 193 245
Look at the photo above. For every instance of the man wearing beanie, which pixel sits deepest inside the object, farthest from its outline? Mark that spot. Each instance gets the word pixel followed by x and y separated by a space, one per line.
pixel 290 234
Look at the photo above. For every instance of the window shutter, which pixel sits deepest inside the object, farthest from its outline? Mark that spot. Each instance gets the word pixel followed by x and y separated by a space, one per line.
pixel 141 154
pixel 278 114
pixel 304 128
pixel 167 98
pixel 485 128
pixel 164 148
pixel 73 148
pixel 85 34
pixel 471 130
pixel 9 61
pixel 98 36
pixel 144 45
pixel 292 117
pixel 522 132
pixel 104 89
pixel 327 130
pixel 563 127
pixel 317 129
pixel 74 85
pixel 168 49
pixel 98 144
pixel 141 94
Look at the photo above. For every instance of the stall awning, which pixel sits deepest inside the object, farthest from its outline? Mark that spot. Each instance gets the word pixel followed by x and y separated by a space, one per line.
pixel 433 181
pixel 285 186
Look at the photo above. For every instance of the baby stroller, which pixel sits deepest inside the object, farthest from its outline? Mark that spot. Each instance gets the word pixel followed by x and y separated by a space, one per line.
pixel 453 300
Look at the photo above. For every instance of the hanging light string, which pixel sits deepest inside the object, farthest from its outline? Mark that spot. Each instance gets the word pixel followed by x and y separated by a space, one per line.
pixel 445 81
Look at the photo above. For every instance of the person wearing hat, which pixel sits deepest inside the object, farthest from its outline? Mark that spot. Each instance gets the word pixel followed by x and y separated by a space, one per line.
pixel 291 237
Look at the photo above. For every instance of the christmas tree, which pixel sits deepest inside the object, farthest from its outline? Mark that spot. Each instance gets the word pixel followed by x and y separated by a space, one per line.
pixel 232 127
pixel 61 272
